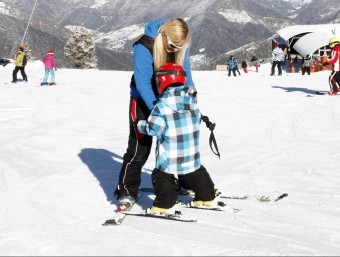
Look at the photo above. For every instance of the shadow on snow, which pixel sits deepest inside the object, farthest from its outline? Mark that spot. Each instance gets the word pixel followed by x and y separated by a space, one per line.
pixel 105 166
pixel 297 89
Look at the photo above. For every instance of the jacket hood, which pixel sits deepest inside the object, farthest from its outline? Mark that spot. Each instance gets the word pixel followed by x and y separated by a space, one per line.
pixel 178 99
pixel 151 29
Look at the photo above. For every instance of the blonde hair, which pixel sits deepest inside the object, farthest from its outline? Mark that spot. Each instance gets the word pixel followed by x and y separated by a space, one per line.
pixel 178 32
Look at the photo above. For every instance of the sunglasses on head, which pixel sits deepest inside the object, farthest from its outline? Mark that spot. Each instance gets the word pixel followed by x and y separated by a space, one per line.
pixel 172 45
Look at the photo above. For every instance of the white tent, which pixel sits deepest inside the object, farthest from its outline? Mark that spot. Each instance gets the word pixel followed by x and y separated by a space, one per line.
pixel 306 39
pixel 292 31
pixel 310 43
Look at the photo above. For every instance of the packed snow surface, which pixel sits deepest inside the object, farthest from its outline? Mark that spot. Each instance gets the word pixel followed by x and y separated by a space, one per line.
pixel 62 148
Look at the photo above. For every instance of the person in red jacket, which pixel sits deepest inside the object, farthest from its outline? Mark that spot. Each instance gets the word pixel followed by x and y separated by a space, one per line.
pixel 50 66
pixel 334 78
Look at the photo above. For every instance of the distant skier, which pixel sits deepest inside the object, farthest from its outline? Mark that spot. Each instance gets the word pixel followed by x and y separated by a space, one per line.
pixel 307 63
pixel 232 66
pixel 175 120
pixel 20 62
pixel 244 66
pixel 334 78
pixel 253 59
pixel 50 66
pixel 278 57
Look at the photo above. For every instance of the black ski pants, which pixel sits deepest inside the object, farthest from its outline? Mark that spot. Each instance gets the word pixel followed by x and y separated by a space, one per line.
pixel 334 81
pixel 137 153
pixel 232 70
pixel 278 63
pixel 166 186
pixel 306 69
pixel 15 72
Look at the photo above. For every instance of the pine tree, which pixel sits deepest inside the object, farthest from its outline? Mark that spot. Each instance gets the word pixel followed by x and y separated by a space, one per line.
pixel 28 52
pixel 80 49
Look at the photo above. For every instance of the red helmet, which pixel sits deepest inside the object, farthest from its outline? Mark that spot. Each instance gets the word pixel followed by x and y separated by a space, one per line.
pixel 170 74
pixel 50 51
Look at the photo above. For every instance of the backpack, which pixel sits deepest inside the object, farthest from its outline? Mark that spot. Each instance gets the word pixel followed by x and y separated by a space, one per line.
pixel 24 60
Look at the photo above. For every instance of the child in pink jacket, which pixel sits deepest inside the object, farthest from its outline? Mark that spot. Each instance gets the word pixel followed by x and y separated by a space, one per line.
pixel 49 63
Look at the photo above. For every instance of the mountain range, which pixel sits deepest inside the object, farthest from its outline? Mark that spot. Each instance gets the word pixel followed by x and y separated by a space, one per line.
pixel 217 26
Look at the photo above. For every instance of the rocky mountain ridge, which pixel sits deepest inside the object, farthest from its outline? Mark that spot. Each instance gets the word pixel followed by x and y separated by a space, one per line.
pixel 217 26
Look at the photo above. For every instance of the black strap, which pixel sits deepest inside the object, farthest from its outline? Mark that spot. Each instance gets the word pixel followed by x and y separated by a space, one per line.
pixel 170 72
pixel 212 141
pixel 147 42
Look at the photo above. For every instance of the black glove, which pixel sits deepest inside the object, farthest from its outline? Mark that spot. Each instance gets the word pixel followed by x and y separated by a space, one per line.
pixel 208 123
pixel 194 94
pixel 55 69
pixel 205 119
pixel 325 64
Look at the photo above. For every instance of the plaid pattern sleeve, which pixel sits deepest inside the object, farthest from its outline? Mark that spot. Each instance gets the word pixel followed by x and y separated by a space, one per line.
pixel 155 124
pixel 175 120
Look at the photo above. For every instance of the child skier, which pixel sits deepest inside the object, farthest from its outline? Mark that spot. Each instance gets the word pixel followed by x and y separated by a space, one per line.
pixel 175 120
pixel 307 63
pixel 49 63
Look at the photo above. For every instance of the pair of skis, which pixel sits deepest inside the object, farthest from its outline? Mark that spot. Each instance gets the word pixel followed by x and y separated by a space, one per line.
pixel 120 216
pixel 231 197
pixel 322 93
pixel 49 84
pixel 175 217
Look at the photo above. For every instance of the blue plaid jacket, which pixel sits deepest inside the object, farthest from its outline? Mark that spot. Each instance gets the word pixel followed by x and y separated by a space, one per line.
pixel 175 120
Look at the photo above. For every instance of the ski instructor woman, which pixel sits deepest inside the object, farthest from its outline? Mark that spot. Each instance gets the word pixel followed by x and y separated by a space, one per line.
pixel 163 41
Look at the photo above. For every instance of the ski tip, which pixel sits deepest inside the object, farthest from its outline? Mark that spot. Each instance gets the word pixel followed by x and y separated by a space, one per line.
pixel 111 222
pixel 321 92
pixel 281 196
